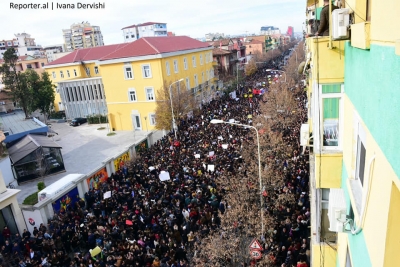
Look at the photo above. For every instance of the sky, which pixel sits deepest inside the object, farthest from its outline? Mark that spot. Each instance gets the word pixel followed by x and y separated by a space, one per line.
pixel 190 17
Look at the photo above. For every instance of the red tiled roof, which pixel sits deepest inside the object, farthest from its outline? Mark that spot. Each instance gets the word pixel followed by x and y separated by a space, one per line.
pixel 254 41
pixel 93 53
pixel 142 47
pixel 223 42
pixel 127 27
pixel 20 58
pixel 156 45
pixel 220 52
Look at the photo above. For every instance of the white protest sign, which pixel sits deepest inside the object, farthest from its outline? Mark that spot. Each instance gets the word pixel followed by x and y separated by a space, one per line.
pixel 225 146
pixel 232 120
pixel 151 168
pixel 220 138
pixel 211 153
pixel 210 168
pixel 164 176
pixel 107 195
pixel 197 156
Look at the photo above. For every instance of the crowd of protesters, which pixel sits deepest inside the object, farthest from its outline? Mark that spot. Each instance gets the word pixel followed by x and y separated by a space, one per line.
pixel 149 222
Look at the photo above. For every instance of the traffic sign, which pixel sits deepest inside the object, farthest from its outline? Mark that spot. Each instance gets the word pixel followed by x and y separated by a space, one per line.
pixel 255 245
pixel 255 254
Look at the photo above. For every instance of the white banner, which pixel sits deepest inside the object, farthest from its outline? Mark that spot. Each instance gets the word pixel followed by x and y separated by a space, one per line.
pixel 32 219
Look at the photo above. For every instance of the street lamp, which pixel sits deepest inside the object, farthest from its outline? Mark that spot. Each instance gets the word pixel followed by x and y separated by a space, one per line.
pixel 294 50
pixel 277 70
pixel 172 108
pixel 215 121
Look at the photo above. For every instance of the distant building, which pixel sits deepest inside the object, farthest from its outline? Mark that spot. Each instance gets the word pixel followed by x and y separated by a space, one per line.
pixel 214 36
pixel 82 35
pixel 254 46
pixel 23 63
pixel 24 44
pixel 268 30
pixel 54 52
pixel 148 29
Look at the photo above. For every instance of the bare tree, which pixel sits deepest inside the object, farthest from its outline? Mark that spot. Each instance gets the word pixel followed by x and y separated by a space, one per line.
pixel 183 103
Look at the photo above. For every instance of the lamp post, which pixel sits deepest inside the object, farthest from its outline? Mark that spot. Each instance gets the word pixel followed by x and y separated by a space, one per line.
pixel 172 108
pixel 214 121
pixel 277 70
pixel 294 50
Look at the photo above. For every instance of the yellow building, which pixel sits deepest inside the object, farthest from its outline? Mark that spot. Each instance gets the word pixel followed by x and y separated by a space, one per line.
pixel 353 133
pixel 121 80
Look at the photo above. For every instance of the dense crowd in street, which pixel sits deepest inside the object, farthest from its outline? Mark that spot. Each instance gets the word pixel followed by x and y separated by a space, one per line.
pixel 149 222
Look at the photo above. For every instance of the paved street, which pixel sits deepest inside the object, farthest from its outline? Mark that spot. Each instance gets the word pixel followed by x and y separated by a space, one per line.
pixel 83 149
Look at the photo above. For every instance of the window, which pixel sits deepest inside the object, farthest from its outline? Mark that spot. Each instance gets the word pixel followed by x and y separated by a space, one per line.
pixel 207 75
pixel 61 74
pixel 87 70
pixel 128 72
pixel 75 73
pixel 149 94
pixel 132 36
pixel 187 84
pixel 127 36
pixel 194 61
pixel 152 117
pixel 206 56
pixel 28 66
pixel 196 82
pixel 167 68
pixel 201 59
pixel 202 77
pixel 68 74
pixel 96 70
pixel 360 154
pixel 176 66
pixel 42 64
pixel 54 74
pixel 185 64
pixel 132 95
pixel 211 73
pixel 331 102
pixel 146 71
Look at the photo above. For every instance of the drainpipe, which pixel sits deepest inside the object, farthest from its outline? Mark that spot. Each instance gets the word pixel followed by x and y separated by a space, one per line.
pixel 364 200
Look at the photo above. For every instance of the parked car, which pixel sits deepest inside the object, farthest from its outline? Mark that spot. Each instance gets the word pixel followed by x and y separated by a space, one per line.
pixel 78 121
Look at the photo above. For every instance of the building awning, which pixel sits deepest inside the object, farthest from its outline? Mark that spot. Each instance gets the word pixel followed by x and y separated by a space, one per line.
pixel 28 144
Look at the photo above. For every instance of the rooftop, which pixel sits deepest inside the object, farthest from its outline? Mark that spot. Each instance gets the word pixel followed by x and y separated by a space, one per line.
pixel 142 47
pixel 142 24
pixel 220 52
pixel 16 124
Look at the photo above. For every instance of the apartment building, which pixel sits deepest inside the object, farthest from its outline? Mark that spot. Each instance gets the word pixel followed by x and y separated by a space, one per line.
pixel 121 80
pixel 148 29
pixel 23 63
pixel 24 45
pixel 82 35
pixel 353 91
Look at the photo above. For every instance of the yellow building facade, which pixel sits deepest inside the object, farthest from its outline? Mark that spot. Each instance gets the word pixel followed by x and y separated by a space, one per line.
pixel 354 170
pixel 123 84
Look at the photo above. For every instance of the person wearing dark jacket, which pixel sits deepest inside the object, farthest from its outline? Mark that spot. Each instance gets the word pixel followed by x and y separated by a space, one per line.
pixel 323 29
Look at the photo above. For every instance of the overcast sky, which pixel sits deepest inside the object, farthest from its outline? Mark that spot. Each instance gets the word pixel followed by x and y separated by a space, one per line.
pixel 190 17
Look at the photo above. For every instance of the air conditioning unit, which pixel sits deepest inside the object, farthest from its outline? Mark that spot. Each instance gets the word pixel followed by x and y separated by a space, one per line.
pixel 304 134
pixel 337 210
pixel 340 24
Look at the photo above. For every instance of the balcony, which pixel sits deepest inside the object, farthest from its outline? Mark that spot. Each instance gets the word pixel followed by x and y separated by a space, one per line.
pixel 326 63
